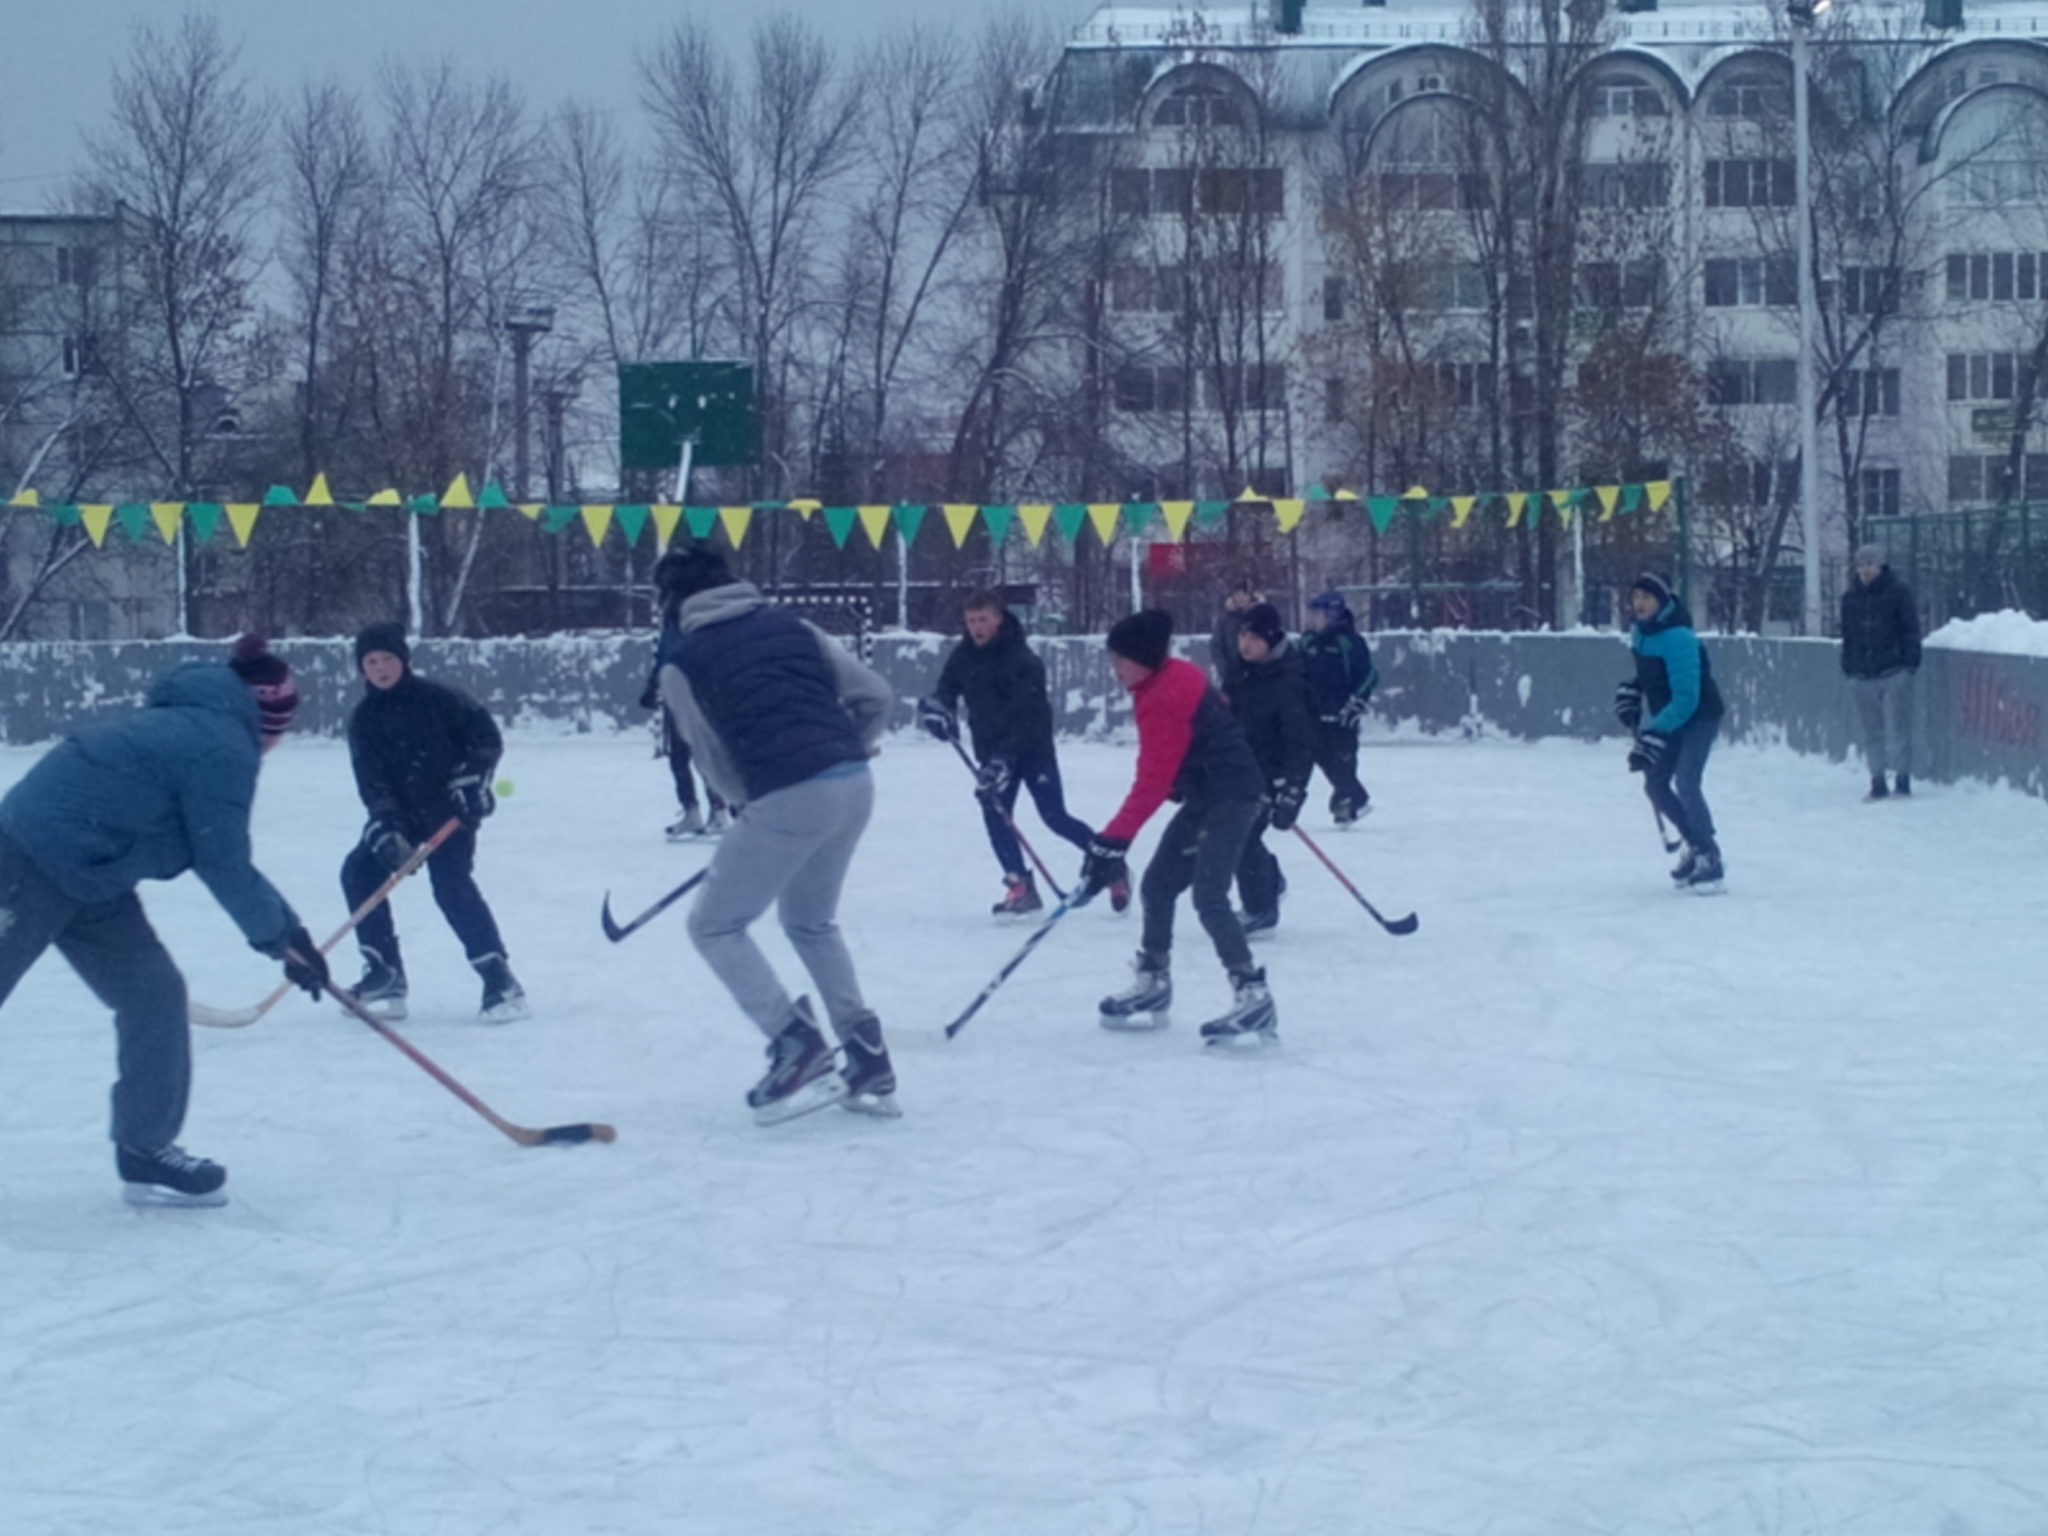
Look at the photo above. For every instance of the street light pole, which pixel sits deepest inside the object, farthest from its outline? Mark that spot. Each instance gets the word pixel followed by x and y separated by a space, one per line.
pixel 534 320
pixel 1801 14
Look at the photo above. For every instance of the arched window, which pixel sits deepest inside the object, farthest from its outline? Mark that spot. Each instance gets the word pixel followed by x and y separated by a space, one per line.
pixel 1200 106
pixel 1754 97
pixel 1626 96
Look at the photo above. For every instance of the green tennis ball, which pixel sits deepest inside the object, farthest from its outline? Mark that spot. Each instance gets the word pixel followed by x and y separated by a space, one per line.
pixel 504 787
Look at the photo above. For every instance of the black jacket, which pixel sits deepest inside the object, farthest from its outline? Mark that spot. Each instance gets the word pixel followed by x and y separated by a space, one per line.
pixel 1003 682
pixel 1338 665
pixel 409 741
pixel 1271 701
pixel 1880 627
pixel 1225 661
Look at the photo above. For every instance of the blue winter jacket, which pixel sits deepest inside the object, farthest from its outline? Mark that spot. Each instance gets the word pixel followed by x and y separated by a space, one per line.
pixel 151 796
pixel 1673 671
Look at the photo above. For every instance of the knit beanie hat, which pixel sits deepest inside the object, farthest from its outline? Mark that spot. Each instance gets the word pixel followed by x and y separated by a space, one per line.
pixel 1263 620
pixel 388 637
pixel 1143 637
pixel 697 567
pixel 1331 601
pixel 1870 554
pixel 1653 584
pixel 269 677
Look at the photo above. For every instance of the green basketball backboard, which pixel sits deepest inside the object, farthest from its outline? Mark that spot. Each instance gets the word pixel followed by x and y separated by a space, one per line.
pixel 661 404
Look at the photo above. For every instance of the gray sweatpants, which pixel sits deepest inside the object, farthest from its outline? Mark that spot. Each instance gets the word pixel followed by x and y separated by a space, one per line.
pixel 1884 706
pixel 792 848
pixel 118 955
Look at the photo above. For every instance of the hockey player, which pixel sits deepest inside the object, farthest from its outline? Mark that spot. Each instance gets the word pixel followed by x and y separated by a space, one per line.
pixel 1190 748
pixel 422 752
pixel 782 720
pixel 1009 715
pixel 1674 709
pixel 690 820
pixel 147 798
pixel 1341 679
pixel 1271 702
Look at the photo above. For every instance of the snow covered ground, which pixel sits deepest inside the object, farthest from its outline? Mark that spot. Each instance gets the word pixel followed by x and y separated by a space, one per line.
pixel 1589 1208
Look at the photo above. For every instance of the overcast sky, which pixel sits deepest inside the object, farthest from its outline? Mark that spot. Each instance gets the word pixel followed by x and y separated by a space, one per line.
pixel 56 55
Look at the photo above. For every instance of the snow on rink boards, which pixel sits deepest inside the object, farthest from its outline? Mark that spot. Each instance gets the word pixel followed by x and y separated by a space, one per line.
pixel 1589 1208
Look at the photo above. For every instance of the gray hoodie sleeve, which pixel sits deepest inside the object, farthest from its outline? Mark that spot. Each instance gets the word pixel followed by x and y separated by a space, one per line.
pixel 707 752
pixel 864 691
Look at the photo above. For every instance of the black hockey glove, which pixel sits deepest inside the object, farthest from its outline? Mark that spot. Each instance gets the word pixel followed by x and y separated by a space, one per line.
pixel 936 718
pixel 471 799
pixel 1352 712
pixel 387 841
pixel 992 779
pixel 1103 867
pixel 304 965
pixel 650 696
pixel 1283 803
pixel 1651 748
pixel 1628 704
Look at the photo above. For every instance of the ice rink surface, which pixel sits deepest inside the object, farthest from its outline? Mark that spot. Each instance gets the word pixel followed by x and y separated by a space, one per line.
pixel 1591 1208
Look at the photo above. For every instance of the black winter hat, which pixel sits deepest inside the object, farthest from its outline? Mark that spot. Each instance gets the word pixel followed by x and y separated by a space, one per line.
pixel 269 677
pixel 1143 637
pixel 388 637
pixel 1263 620
pixel 1653 584
pixel 692 568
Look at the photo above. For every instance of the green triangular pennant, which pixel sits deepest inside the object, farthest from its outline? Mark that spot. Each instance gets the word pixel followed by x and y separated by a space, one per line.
pixel 204 517
pixel 133 516
pixel 1209 513
pixel 1381 510
pixel 493 496
pixel 701 521
pixel 65 513
pixel 1631 498
pixel 1137 514
pixel 425 504
pixel 632 519
pixel 1068 517
pixel 840 521
pixel 1316 492
pixel 1437 504
pixel 276 496
pixel 555 519
pixel 998 520
pixel 909 519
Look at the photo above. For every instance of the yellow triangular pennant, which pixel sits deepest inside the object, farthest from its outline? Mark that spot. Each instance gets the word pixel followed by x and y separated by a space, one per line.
pixel 1248 494
pixel 1177 515
pixel 804 506
pixel 531 510
pixel 96 517
pixel 1564 502
pixel 876 521
pixel 1461 509
pixel 26 498
pixel 167 515
pixel 1034 515
pixel 960 518
pixel 1516 500
pixel 1658 491
pixel 385 498
pixel 242 517
pixel 666 516
pixel 319 495
pixel 596 520
pixel 1103 514
pixel 457 494
pixel 1610 497
pixel 735 520
pixel 1287 512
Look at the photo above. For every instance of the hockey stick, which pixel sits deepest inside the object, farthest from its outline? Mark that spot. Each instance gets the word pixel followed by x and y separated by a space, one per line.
pixel 1400 927
pixel 1664 832
pixel 1066 905
pixel 526 1136
pixel 614 932
pixel 1015 831
pixel 242 1018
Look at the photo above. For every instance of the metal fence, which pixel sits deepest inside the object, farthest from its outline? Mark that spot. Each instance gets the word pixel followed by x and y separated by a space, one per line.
pixel 1969 561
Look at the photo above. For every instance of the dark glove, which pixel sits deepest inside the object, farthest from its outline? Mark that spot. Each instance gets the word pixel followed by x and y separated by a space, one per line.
pixel 471 799
pixel 936 718
pixel 1283 803
pixel 1628 704
pixel 1103 867
pixel 304 965
pixel 1352 712
pixel 992 779
pixel 387 841
pixel 650 696
pixel 1651 748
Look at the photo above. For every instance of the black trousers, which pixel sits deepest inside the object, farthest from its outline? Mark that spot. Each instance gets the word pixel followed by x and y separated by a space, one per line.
pixel 1040 775
pixel 1258 871
pixel 1199 851
pixel 677 751
pixel 451 868
pixel 118 955
pixel 1337 757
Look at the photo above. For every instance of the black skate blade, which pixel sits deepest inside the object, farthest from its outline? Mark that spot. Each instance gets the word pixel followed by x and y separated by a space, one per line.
pixel 819 1093
pixel 158 1197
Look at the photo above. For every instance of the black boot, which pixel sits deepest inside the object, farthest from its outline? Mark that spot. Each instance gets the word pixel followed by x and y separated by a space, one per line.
pixel 1878 791
pixel 382 988
pixel 1903 784
pixel 169 1176
pixel 800 1076
pixel 504 999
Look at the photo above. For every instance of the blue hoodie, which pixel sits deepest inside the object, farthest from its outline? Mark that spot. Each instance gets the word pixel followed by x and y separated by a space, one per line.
pixel 1673 671
pixel 151 796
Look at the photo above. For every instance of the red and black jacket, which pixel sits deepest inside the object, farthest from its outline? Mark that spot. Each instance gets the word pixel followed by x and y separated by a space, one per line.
pixel 1190 747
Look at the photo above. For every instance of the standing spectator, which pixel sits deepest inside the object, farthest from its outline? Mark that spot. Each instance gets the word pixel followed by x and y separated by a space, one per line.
pixel 690 820
pixel 1271 703
pixel 1674 709
pixel 147 798
pixel 782 720
pixel 1341 679
pixel 422 752
pixel 1009 715
pixel 1224 662
pixel 1880 654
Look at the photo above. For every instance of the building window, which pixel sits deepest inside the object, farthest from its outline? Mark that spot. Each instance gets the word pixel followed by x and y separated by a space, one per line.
pixel 1870 392
pixel 1611 285
pixel 1333 399
pixel 1749 184
pixel 1200 106
pixel 1134 391
pixel 1432 191
pixel 1251 387
pixel 1874 493
pixel 1456 285
pixel 1870 290
pixel 1465 385
pixel 1748 482
pixel 1751 282
pixel 1986 478
pixel 1986 375
pixel 1752 99
pixel 1333 298
pixel 1626 96
pixel 1752 381
pixel 1987 276
pixel 81 356
pixel 78 266
pixel 1632 184
pixel 1998 184
pixel 1173 190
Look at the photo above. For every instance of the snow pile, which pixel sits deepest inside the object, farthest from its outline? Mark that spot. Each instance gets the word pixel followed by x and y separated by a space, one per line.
pixel 2008 632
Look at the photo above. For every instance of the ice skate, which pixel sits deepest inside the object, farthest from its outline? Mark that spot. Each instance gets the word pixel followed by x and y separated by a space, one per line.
pixel 382 989
pixel 1252 1019
pixel 716 823
pixel 869 1075
pixel 1707 877
pixel 689 823
pixel 1258 925
pixel 1144 1004
pixel 1902 787
pixel 1020 897
pixel 1681 872
pixel 800 1078
pixel 169 1176
pixel 504 999
pixel 1879 790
